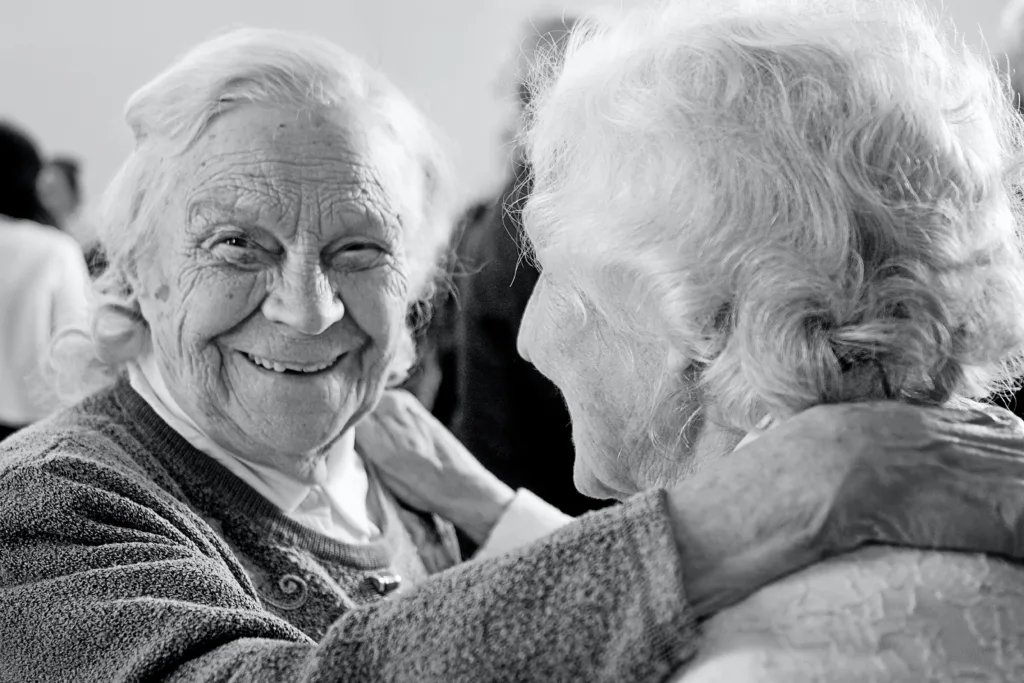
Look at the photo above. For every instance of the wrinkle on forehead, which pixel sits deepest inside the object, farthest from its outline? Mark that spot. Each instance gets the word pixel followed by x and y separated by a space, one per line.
pixel 315 175
pixel 323 197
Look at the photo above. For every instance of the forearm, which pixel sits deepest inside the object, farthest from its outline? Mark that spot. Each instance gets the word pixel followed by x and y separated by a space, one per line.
pixel 599 600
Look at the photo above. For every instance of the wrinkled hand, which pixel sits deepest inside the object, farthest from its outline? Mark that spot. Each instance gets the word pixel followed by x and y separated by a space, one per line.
pixel 834 478
pixel 428 468
pixel 942 479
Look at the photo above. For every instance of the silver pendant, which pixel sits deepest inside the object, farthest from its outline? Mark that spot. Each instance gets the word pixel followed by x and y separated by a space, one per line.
pixel 385 583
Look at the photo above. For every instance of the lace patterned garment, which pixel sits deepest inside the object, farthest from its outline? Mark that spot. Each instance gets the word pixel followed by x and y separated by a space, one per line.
pixel 879 615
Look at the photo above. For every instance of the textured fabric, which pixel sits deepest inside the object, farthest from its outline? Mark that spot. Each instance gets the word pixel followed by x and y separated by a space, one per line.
pixel 127 555
pixel 43 280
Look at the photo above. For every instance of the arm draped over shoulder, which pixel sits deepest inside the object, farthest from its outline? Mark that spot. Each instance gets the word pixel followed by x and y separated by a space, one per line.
pixel 106 576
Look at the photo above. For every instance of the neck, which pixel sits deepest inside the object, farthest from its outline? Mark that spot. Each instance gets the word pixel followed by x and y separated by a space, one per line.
pixel 713 440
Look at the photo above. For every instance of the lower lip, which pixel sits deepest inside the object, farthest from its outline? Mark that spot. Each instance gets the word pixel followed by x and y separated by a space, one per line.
pixel 293 373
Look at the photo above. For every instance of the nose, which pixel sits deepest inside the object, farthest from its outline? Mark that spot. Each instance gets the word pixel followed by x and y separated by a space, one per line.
pixel 527 328
pixel 304 299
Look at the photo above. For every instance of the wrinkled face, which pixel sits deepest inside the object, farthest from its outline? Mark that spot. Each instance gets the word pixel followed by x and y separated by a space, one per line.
pixel 608 380
pixel 277 296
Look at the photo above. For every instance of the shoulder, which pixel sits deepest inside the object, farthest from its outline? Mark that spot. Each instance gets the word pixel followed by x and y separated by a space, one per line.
pixel 89 442
pixel 999 415
pixel 85 474
pixel 41 250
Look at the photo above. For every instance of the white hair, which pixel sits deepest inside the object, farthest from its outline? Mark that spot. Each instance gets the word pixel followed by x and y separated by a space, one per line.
pixel 171 112
pixel 809 198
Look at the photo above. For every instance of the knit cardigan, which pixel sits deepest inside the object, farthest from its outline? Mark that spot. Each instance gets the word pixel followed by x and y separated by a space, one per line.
pixel 127 555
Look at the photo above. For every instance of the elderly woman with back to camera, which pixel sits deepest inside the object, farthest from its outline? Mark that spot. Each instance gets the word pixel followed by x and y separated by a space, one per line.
pixel 743 211
pixel 208 515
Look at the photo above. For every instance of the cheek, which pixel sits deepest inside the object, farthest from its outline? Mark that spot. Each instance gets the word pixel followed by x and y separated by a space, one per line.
pixel 376 304
pixel 550 334
pixel 210 303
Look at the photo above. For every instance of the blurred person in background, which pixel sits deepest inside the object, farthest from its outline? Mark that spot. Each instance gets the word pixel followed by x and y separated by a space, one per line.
pixel 433 380
pixel 507 413
pixel 59 190
pixel 42 283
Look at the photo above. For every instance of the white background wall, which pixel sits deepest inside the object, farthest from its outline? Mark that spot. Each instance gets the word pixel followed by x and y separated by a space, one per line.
pixel 67 66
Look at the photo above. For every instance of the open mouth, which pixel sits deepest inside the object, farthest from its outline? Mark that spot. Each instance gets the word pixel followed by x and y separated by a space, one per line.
pixel 290 368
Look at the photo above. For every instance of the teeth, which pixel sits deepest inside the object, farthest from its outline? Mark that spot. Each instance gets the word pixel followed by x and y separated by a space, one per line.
pixel 281 367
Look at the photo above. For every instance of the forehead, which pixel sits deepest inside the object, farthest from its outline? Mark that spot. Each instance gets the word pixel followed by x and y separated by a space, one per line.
pixel 286 158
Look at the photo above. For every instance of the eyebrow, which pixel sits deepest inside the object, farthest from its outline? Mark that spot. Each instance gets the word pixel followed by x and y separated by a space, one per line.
pixel 207 206
pixel 238 206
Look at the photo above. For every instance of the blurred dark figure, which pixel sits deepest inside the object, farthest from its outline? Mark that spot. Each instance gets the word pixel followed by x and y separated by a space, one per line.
pixel 42 284
pixel 434 381
pixel 59 190
pixel 20 166
pixel 508 414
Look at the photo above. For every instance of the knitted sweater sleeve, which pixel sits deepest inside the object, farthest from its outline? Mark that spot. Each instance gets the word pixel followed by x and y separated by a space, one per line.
pixel 106 577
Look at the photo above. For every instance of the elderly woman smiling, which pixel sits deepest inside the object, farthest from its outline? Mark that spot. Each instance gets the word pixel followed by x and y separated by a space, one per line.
pixel 207 516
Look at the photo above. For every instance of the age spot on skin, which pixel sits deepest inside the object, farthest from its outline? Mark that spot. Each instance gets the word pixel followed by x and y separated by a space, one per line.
pixel 162 293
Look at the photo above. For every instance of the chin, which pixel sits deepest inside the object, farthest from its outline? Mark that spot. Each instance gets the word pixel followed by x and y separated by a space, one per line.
pixel 591 481
pixel 590 485
pixel 292 432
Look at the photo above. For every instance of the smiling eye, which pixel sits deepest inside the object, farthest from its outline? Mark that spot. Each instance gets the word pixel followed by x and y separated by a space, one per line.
pixel 235 242
pixel 358 247
pixel 359 255
pixel 238 249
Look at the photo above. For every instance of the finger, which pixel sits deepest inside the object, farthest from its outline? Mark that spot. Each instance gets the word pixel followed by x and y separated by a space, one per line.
pixel 394 438
pixel 412 441
pixel 407 411
pixel 390 404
